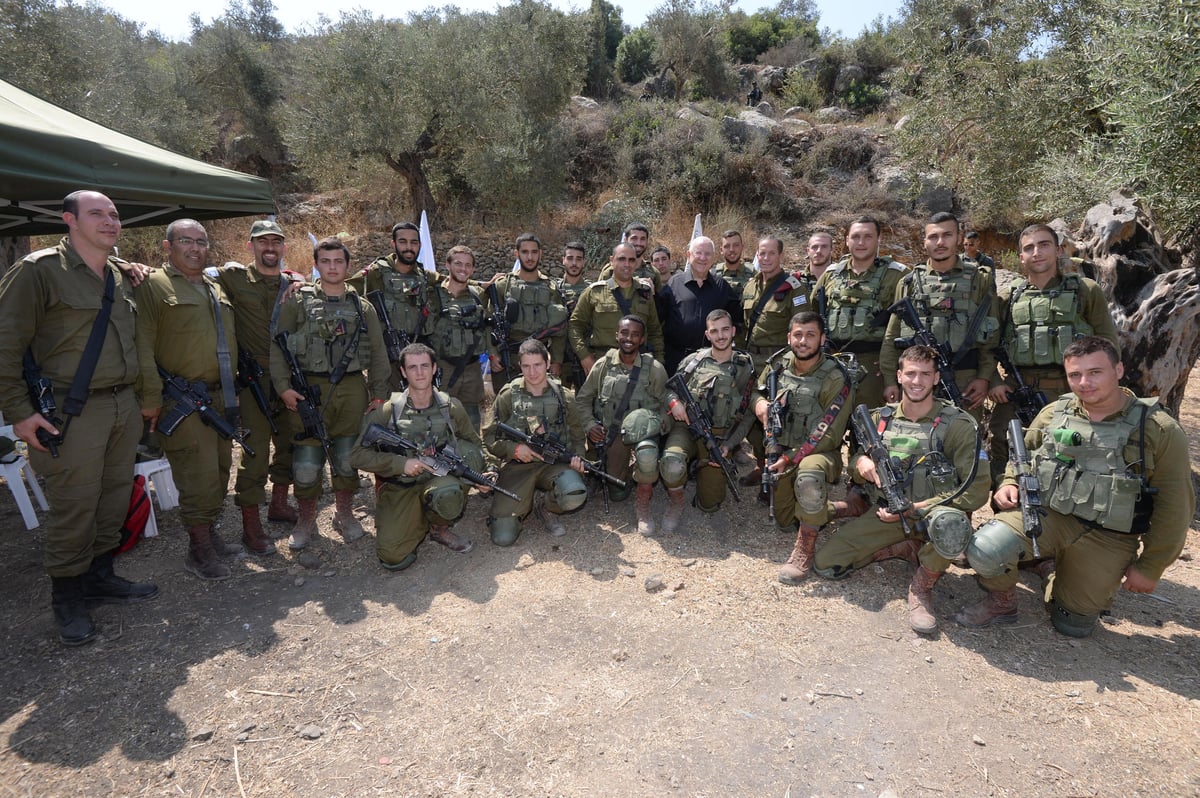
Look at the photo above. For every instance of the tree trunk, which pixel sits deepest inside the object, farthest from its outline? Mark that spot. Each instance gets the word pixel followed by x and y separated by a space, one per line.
pixel 1154 295
pixel 410 166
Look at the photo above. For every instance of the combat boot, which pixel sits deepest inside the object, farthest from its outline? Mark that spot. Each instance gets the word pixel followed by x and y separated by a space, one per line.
pixel 222 548
pixel 645 520
pixel 550 520
pixel 101 584
pixel 279 510
pixel 201 560
pixel 343 517
pixel 253 537
pixel 799 564
pixel 443 534
pixel 855 504
pixel 306 525
pixel 920 601
pixel 674 511
pixel 75 627
pixel 997 607
pixel 904 550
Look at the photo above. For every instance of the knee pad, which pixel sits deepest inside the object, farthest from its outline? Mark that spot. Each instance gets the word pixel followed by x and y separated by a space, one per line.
pixel 811 491
pixel 1070 623
pixel 307 462
pixel 569 491
pixel 341 457
pixel 444 497
pixel 994 549
pixel 949 530
pixel 639 425
pixel 673 469
pixel 618 494
pixel 645 461
pixel 505 530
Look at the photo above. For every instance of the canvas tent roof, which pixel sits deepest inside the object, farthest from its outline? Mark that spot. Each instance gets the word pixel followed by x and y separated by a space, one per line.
pixel 46 152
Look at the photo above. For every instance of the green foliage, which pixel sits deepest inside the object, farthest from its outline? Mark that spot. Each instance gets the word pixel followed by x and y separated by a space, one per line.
pixel 691 41
pixel 636 58
pixel 802 90
pixel 604 37
pixel 749 37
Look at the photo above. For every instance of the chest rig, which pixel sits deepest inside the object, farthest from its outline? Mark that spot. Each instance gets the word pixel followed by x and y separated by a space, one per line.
pixel 919 446
pixel 722 388
pixel 945 304
pixel 406 295
pixel 535 414
pixel 1045 322
pixel 853 301
pixel 332 335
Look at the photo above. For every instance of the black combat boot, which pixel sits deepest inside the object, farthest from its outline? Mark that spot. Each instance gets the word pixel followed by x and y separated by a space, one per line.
pixel 75 626
pixel 101 584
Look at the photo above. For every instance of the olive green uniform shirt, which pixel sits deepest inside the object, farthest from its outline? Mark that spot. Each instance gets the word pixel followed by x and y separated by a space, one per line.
pixel 787 299
pixel 254 296
pixel 598 314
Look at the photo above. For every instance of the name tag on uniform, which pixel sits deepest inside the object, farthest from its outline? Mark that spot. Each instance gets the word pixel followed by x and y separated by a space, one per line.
pixel 799 300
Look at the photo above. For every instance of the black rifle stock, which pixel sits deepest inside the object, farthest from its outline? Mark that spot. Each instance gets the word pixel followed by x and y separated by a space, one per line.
pixel 446 462
pixel 192 397
pixel 249 377
pixel 1029 402
pixel 1027 484
pixel 394 340
pixel 501 326
pixel 308 407
pixel 771 432
pixel 701 427
pixel 41 396
pixel 553 450
pixel 923 337
pixel 887 468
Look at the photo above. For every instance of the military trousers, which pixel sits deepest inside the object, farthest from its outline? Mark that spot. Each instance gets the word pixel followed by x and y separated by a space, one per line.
pixel 468 387
pixel 854 543
pixel 711 488
pixel 273 451
pixel 802 493
pixel 342 408
pixel 200 464
pixel 402 519
pixel 525 479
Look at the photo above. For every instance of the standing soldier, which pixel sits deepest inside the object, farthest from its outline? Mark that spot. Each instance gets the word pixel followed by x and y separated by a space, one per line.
pixel 334 336
pixel 971 250
pixel 637 235
pixel 50 303
pixel 605 303
pixel 732 268
pixel 937 448
pixel 819 253
pixel 1113 474
pixel 533 304
pixel 412 501
pixel 816 396
pixel 572 286
pixel 534 404
pixel 459 335
pixel 660 259
pixel 953 297
pixel 721 379
pixel 851 294
pixel 186 328
pixel 257 292
pixel 1044 312
pixel 405 286
pixel 624 404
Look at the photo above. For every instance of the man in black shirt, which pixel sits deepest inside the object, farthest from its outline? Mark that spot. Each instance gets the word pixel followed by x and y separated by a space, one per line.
pixel 688 298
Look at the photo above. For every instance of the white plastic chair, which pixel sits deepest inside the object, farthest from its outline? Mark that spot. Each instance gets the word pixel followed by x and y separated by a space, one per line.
pixel 158 475
pixel 17 473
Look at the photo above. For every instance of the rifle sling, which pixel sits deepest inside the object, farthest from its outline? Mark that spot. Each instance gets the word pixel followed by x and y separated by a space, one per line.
pixel 618 416
pixel 351 349
pixel 831 413
pixel 224 362
pixel 762 303
pixel 78 393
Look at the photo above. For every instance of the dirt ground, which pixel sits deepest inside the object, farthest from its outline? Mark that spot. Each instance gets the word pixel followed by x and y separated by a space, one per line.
pixel 549 669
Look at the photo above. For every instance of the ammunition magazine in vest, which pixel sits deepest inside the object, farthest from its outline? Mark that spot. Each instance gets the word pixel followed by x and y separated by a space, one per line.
pixel 1043 323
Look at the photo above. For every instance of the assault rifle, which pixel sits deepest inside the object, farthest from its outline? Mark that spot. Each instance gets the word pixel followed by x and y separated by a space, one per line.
pixel 308 407
pixel 1027 484
pixel 771 432
pixel 1028 401
pixel 192 397
pixel 447 462
pixel 501 327
pixel 249 372
pixel 553 450
pixel 41 396
pixel 394 340
pixel 923 337
pixel 887 468
pixel 701 427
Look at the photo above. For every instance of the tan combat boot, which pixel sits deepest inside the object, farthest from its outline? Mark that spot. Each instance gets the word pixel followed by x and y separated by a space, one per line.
pixel 674 511
pixel 443 534
pixel 253 537
pixel 279 510
pixel 799 564
pixel 996 608
pixel 343 517
pixel 645 520
pixel 920 601
pixel 201 560
pixel 306 525
pixel 550 520
pixel 904 550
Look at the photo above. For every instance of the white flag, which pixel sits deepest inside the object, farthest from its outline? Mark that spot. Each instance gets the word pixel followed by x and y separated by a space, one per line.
pixel 426 257
pixel 697 228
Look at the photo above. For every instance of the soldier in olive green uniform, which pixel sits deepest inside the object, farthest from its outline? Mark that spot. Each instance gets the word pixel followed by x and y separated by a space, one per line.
pixel 405 284
pixel 949 293
pixel 1113 473
pixel 49 302
pixel 624 403
pixel 536 405
pixel 660 259
pixel 721 379
pixel 413 502
pixel 937 447
pixel 769 300
pixel 571 286
pixel 459 332
pixel 185 320
pixel 534 306
pixel 601 307
pixel 852 292
pixel 257 292
pixel 817 396
pixel 1043 313
pixel 637 235
pixel 732 269
pixel 334 335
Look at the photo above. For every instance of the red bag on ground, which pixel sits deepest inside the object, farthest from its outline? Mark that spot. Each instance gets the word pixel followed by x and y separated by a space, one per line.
pixel 139 513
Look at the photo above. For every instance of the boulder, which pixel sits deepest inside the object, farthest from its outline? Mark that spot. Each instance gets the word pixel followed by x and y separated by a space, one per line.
pixel 584 103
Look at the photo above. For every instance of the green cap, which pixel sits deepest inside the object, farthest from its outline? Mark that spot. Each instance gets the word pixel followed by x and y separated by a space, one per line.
pixel 266 227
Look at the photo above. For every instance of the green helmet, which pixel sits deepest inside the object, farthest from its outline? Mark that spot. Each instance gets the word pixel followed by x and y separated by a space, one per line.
pixel 640 425
pixel 949 531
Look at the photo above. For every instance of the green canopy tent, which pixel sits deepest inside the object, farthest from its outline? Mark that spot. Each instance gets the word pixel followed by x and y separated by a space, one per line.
pixel 46 152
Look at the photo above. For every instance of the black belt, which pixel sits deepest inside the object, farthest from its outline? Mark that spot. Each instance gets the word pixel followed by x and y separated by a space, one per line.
pixel 115 389
pixel 325 374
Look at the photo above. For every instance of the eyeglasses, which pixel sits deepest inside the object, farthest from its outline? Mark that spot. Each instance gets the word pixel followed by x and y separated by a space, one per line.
pixel 187 241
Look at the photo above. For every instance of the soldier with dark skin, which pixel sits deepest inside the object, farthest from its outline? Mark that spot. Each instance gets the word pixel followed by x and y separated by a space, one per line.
pixel 257 292
pixel 459 331
pixel 535 404
pixel 414 503
pixel 335 336
pixel 1116 488
pixel 183 319
pixel 596 317
pixel 49 302
pixel 539 307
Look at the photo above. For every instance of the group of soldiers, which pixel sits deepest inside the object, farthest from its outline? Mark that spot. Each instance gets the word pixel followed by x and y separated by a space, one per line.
pixel 649 374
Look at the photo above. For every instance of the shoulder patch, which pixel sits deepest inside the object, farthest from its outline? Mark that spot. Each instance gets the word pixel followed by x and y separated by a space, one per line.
pixel 896 266
pixel 793 281
pixel 233 264
pixel 41 253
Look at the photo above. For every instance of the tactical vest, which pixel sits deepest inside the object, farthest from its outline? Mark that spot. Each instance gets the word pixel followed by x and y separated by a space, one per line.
pixel 1084 470
pixel 1046 322
pixel 738 281
pixel 539 307
pixel 945 304
pixel 571 293
pixel 852 302
pixel 920 448
pixel 405 295
pixel 327 329
pixel 719 387
pixel 460 328
pixel 613 386
pixel 532 414
pixel 430 427
pixel 804 409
